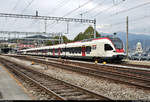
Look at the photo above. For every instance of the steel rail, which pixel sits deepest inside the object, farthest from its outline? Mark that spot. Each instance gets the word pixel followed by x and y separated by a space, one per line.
pixel 125 78
pixel 27 75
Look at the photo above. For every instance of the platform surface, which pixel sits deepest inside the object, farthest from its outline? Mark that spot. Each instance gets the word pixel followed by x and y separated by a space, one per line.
pixel 9 88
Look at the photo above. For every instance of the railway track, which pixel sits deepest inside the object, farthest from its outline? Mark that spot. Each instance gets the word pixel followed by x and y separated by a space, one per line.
pixel 76 62
pixel 58 89
pixel 1 95
pixel 139 78
pixel 135 65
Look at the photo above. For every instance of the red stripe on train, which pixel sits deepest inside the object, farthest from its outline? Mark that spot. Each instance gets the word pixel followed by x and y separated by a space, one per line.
pixel 119 50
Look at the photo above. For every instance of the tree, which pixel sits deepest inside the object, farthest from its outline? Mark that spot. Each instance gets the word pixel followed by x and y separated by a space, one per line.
pixel 79 37
pixel 88 33
pixel 65 40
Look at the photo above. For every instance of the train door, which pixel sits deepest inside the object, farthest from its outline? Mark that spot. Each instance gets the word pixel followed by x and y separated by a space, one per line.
pixel 58 51
pixel 43 52
pixel 36 52
pixel 53 52
pixel 108 49
pixel 49 52
pixel 83 50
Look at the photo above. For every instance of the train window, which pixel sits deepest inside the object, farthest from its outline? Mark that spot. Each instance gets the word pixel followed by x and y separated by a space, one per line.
pixel 108 47
pixel 76 50
pixel 73 50
pixel 66 49
pixel 79 50
pixel 88 49
pixel 94 47
pixel 56 50
pixel 51 50
pixel 69 50
pixel 117 43
pixel 63 50
pixel 46 51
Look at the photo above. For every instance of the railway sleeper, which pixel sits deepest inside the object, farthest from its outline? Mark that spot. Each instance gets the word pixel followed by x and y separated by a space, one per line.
pixel 77 97
pixel 50 84
pixel 1 96
pixel 58 88
pixel 64 91
pixel 83 96
pixel 71 94
pixel 54 84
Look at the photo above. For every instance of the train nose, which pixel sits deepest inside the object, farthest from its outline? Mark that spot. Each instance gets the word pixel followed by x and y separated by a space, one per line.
pixel 119 56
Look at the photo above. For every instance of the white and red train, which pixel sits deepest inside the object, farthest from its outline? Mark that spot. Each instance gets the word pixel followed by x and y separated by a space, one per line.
pixel 101 49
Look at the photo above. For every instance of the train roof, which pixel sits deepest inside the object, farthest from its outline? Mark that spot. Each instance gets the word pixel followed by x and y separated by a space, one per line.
pixel 71 44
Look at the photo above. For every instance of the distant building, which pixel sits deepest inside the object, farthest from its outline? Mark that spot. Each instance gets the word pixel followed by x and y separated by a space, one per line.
pixel 139 49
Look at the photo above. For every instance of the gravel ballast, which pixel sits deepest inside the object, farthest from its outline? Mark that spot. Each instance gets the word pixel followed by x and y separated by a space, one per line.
pixel 108 88
pixel 138 62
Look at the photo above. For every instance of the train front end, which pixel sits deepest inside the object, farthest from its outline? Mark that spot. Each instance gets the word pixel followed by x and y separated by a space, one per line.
pixel 119 52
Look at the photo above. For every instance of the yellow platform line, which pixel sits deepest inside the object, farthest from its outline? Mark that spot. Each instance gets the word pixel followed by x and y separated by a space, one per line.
pixel 18 82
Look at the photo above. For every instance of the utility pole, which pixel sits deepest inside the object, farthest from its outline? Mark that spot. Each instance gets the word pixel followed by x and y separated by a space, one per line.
pixel 94 28
pixel 127 28
pixel 45 29
pixel 81 16
pixel 37 13
pixel 67 27
pixel 45 25
pixel 62 41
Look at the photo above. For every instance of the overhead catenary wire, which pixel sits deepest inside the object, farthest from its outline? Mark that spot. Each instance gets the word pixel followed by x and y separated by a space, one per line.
pixel 94 7
pixel 113 13
pixel 131 20
pixel 58 6
pixel 15 5
pixel 77 8
pixel 132 8
pixel 29 4
pixel 61 4
pixel 107 9
pixel 11 11
pixel 70 12
pixel 102 11
pixel 127 10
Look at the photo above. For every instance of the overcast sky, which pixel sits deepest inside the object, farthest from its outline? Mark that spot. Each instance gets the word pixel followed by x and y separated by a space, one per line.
pixel 110 15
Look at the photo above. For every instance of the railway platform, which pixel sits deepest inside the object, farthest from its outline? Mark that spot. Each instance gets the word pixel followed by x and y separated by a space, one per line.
pixel 10 89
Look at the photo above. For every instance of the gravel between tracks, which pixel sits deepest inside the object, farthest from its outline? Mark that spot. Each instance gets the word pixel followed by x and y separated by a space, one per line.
pixel 102 86
pixel 138 62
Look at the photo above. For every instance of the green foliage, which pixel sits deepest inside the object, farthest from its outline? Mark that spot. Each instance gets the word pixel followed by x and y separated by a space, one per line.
pixel 79 37
pixel 65 40
pixel 88 33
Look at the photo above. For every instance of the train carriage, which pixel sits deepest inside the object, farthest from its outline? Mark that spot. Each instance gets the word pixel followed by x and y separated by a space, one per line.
pixel 101 49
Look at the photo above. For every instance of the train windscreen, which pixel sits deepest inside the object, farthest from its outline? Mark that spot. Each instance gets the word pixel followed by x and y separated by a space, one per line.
pixel 117 43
